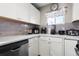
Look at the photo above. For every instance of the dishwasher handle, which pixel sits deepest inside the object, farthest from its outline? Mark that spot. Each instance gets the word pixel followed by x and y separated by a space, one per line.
pixel 15 49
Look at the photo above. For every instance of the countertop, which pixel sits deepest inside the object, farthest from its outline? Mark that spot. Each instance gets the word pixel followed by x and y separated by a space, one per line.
pixel 67 37
pixel 10 39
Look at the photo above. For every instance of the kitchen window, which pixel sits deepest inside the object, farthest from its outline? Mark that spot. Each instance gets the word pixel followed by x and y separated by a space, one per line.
pixel 54 18
pixel 59 20
pixel 51 21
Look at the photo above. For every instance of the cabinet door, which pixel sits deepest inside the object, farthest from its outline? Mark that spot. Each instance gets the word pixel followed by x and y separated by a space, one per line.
pixel 44 46
pixel 56 47
pixel 34 15
pixel 33 46
pixel 8 10
pixel 23 12
pixel 37 20
pixel 75 11
pixel 37 16
pixel 69 47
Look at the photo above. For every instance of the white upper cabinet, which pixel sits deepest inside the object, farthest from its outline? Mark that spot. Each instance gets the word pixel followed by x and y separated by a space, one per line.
pixel 75 11
pixel 20 11
pixel 8 10
pixel 28 13
pixel 34 15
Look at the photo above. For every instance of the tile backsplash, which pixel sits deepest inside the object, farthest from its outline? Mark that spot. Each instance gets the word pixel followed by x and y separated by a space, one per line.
pixel 67 26
pixel 13 28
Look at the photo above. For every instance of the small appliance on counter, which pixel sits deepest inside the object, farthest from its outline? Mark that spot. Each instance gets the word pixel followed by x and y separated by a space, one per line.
pixel 28 31
pixel 72 32
pixel 61 32
pixel 43 30
pixel 53 31
pixel 35 30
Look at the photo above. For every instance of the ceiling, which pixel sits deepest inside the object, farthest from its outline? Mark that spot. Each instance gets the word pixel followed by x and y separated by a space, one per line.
pixel 39 5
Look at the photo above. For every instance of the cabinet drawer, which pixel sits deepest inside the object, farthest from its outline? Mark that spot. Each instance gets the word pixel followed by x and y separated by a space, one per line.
pixel 56 39
pixel 44 38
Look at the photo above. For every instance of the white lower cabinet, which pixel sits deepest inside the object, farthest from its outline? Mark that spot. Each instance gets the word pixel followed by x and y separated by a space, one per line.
pixel 70 48
pixel 44 46
pixel 33 47
pixel 56 47
pixel 51 46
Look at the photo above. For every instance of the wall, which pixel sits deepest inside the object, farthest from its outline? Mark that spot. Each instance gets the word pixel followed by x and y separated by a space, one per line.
pixel 43 11
pixel 68 17
pixel 46 9
pixel 68 13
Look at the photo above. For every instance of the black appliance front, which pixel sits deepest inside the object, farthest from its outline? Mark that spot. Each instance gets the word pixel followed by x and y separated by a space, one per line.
pixel 43 30
pixel 62 32
pixel 35 30
pixel 6 50
pixel 72 32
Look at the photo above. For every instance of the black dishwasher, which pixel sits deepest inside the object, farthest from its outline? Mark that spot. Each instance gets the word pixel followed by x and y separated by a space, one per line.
pixel 9 49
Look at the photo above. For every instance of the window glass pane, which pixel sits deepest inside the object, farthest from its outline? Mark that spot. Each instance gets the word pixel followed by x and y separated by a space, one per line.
pixel 60 20
pixel 51 21
pixel 56 17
